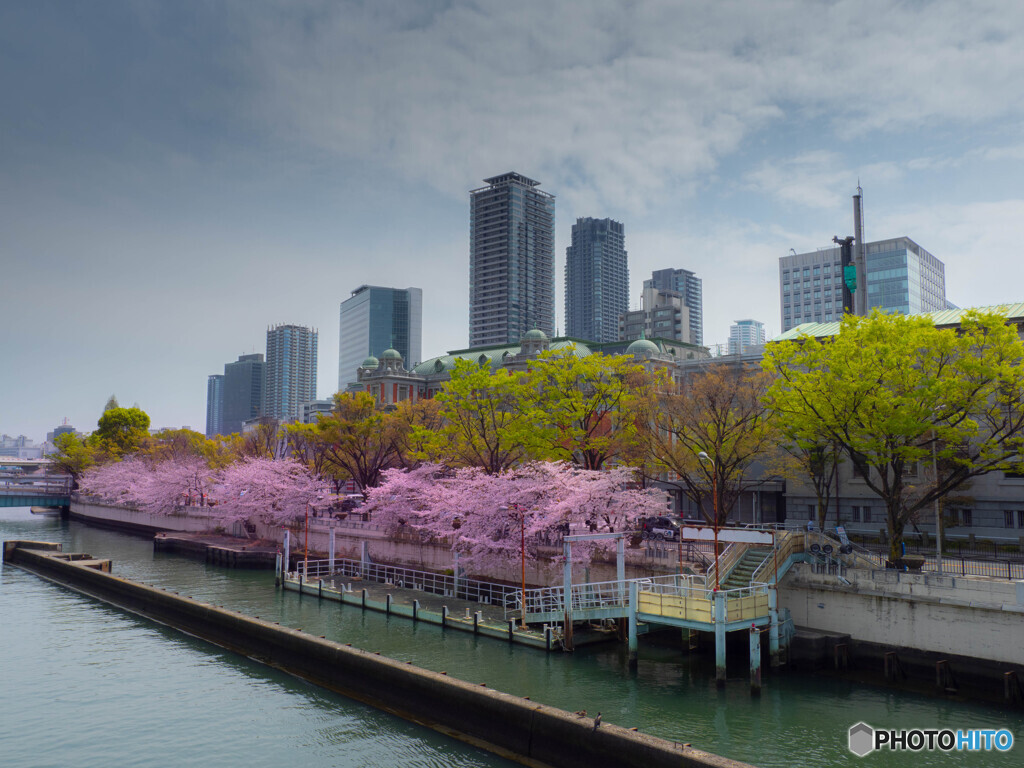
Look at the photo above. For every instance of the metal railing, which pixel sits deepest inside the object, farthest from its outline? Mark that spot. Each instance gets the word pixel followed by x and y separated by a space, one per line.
pixel 408 578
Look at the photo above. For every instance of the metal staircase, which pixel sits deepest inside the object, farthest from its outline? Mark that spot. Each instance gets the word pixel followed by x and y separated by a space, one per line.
pixel 741 573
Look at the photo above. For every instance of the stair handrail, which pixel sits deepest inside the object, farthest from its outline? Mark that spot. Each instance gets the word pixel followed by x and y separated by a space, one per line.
pixel 726 561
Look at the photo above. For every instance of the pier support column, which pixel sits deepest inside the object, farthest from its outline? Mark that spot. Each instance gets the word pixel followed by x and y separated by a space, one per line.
pixel 567 643
pixel 330 553
pixel 364 558
pixel 287 547
pixel 755 660
pixel 277 569
pixel 634 592
pixel 773 632
pixel 720 638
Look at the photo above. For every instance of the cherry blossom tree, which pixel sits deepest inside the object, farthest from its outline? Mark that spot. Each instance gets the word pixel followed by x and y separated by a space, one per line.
pixel 267 490
pixel 154 486
pixel 487 516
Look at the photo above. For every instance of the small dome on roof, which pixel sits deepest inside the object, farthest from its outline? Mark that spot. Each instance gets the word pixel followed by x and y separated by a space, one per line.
pixel 537 334
pixel 390 354
pixel 643 348
pixel 370 362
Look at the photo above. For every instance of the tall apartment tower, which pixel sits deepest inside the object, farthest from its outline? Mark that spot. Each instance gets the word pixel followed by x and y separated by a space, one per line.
pixel 291 371
pixel 511 260
pixel 691 291
pixel 901 277
pixel 215 405
pixel 744 334
pixel 242 392
pixel 596 280
pixel 374 319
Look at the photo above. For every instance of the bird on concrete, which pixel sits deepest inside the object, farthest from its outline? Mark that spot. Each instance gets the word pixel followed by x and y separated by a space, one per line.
pixel 580 713
pixel 597 721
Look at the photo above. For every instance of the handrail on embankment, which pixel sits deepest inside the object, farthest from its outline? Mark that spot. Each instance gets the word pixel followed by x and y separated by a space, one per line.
pixel 508 725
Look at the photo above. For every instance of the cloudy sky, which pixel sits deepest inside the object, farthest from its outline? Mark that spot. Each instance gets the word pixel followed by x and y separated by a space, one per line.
pixel 176 176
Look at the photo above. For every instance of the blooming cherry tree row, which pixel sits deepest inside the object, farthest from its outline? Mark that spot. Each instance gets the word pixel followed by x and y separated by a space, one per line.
pixel 254 489
pixel 486 517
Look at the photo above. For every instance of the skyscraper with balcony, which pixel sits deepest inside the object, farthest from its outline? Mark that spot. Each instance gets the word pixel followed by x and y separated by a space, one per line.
pixel 374 319
pixel 690 289
pixel 511 260
pixel 215 405
pixel 242 392
pixel 596 280
pixel 901 277
pixel 291 371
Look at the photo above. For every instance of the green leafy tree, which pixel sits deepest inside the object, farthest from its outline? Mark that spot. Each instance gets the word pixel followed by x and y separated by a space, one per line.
pixel 583 409
pixel 73 456
pixel 121 431
pixel 890 389
pixel 359 437
pixel 483 420
pixel 178 444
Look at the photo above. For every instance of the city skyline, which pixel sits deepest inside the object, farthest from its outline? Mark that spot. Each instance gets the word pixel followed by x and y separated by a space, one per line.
pixel 175 178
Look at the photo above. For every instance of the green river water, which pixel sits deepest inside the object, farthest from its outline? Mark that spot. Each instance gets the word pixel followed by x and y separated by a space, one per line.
pixel 85 684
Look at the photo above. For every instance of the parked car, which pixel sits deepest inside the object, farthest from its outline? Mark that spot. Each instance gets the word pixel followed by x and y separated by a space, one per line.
pixel 661 528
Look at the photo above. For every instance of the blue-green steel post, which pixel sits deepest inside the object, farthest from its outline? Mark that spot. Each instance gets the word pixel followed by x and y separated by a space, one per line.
pixel 720 620
pixel 634 600
pixel 755 660
pixel 773 632
pixel 567 642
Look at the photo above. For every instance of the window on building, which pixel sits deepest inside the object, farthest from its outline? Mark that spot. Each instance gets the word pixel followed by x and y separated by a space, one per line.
pixel 964 517
pixel 1020 518
pixel 1009 518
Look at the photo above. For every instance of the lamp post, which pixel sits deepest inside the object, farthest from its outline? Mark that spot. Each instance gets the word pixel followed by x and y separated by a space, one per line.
pixel 522 555
pixel 714 507
pixel 305 556
pixel 938 512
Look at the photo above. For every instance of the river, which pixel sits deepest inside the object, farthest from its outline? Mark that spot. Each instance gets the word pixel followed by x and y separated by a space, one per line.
pixel 87 684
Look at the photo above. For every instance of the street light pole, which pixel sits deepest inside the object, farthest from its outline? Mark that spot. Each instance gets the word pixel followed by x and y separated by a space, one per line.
pixel 305 558
pixel 714 507
pixel 938 512
pixel 522 555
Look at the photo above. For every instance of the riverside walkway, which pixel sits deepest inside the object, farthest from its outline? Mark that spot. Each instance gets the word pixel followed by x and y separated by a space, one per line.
pixel 743 599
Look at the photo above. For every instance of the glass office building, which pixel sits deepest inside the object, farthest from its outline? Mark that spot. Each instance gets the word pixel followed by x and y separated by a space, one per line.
pixel 374 319
pixel 291 371
pixel 901 277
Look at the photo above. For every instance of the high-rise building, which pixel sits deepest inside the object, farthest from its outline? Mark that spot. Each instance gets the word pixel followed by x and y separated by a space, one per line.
pixel 596 280
pixel 215 405
pixel 690 289
pixel 291 371
pixel 511 260
pixel 374 319
pixel 744 334
pixel 242 392
pixel 901 277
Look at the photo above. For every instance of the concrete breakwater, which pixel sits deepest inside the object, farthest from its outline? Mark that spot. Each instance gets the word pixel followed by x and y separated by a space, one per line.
pixel 515 727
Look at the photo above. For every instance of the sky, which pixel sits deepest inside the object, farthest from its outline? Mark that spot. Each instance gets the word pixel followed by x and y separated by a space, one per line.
pixel 176 175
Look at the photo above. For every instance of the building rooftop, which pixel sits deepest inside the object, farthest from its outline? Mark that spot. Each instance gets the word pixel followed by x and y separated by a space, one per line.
pixel 942 318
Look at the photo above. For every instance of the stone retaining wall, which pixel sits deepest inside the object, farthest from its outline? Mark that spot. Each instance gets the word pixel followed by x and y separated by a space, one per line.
pixel 511 726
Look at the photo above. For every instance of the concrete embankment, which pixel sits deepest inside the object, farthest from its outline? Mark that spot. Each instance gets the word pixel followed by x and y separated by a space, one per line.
pixel 518 728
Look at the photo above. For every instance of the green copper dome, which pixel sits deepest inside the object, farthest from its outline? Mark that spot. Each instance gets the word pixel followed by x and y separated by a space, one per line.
pixel 390 354
pixel 537 334
pixel 643 348
pixel 370 362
